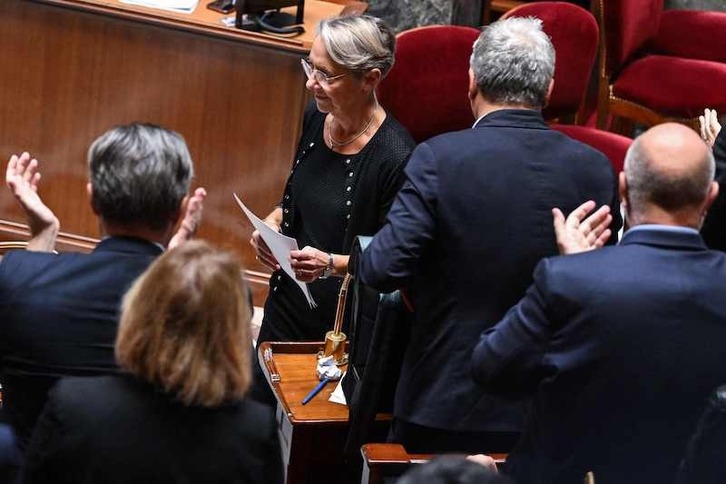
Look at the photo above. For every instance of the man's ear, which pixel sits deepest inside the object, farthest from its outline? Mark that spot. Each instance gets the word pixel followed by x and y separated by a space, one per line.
pixel 623 189
pixel 549 91
pixel 473 89
pixel 91 199
pixel 711 197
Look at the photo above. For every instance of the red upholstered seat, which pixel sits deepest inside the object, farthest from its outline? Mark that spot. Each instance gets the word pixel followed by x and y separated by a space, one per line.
pixel 574 33
pixel 673 84
pixel 660 65
pixel 614 146
pixel 426 91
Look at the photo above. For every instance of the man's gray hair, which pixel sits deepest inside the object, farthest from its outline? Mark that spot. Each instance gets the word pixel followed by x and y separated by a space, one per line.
pixel 513 62
pixel 139 174
pixel 669 191
pixel 359 42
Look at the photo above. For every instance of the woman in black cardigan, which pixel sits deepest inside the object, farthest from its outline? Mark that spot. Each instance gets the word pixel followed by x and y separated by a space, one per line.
pixel 347 171
pixel 179 412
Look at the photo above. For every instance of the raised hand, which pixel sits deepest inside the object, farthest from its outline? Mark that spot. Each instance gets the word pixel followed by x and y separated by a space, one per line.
pixel 22 177
pixel 192 218
pixel 580 232
pixel 710 127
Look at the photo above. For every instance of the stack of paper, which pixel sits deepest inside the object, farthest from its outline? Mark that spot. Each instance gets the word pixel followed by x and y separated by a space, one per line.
pixel 181 6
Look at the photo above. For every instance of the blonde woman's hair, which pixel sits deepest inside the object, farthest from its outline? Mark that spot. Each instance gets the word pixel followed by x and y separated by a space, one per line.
pixel 359 42
pixel 185 326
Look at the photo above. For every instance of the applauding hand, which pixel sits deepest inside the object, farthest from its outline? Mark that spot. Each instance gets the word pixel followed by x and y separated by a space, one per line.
pixel 580 233
pixel 192 218
pixel 22 177
pixel 710 127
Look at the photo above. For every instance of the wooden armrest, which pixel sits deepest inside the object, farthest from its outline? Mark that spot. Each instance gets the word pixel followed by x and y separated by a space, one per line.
pixel 505 5
pixel 498 6
pixel 382 460
pixel 382 454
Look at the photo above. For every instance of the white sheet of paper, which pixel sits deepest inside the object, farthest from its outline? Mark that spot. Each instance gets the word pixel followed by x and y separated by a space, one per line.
pixel 280 246
pixel 180 6
pixel 338 396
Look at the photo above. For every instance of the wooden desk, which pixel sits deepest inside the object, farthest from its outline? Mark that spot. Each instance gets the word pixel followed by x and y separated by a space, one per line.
pixel 72 69
pixel 313 435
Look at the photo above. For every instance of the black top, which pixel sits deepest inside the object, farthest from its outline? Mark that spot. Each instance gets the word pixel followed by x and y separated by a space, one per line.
pixel 59 315
pixel 117 429
pixel 321 205
pixel 714 227
pixel 328 200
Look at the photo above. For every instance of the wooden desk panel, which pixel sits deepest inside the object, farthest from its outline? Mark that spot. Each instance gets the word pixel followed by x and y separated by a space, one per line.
pixel 72 69
pixel 312 436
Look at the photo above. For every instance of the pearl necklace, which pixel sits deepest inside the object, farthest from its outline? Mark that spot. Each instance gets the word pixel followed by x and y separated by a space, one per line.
pixel 335 144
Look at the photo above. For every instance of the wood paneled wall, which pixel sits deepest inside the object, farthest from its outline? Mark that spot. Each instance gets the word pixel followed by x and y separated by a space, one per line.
pixel 67 75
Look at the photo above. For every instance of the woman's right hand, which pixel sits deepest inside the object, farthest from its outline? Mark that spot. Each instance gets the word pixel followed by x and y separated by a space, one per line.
pixel 263 252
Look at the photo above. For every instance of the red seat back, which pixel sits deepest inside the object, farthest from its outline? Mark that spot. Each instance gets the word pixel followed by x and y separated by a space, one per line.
pixel 628 26
pixel 574 33
pixel 426 91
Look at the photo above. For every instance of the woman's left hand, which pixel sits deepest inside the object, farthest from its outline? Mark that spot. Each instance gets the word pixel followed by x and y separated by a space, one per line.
pixel 309 263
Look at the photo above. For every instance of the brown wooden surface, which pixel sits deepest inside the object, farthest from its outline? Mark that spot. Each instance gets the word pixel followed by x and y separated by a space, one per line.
pixel 295 364
pixel 387 460
pixel 71 69
pixel 312 436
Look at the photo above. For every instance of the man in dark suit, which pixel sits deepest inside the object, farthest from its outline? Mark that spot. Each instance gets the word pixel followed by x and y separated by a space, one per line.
pixel 466 230
pixel 59 311
pixel 621 346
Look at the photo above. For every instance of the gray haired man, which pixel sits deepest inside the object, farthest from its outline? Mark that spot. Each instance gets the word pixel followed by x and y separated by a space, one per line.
pixel 60 310
pixel 464 233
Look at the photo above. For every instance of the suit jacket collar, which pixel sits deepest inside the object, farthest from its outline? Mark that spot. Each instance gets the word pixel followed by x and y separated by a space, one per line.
pixel 513 118
pixel 667 239
pixel 128 245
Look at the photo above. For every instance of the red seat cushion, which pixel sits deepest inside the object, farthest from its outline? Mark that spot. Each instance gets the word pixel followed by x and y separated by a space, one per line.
pixel 674 86
pixel 612 145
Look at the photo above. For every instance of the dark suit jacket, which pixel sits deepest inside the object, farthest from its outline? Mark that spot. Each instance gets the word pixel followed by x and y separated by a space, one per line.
pixel 116 429
pixel 59 317
pixel 621 348
pixel 464 233
pixel 714 227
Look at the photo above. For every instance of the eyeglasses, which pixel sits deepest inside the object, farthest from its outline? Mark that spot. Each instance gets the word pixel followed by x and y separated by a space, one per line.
pixel 318 76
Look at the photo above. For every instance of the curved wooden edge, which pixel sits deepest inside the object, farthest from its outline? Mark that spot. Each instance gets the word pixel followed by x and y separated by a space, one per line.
pixel 392 453
pixel 643 115
pixel 380 457
pixel 66 241
pixel 212 24
pixel 168 19
pixel 12 245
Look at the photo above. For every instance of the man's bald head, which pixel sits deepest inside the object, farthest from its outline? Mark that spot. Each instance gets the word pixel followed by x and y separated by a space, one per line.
pixel 669 173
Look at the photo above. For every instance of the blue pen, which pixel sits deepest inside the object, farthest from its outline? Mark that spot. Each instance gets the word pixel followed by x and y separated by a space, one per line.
pixel 315 391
